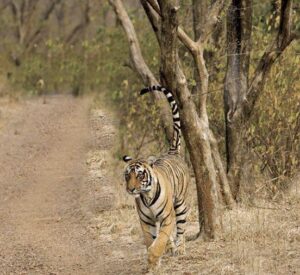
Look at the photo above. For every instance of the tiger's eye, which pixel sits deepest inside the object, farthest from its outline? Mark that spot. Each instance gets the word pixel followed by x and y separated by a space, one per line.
pixel 140 175
pixel 127 177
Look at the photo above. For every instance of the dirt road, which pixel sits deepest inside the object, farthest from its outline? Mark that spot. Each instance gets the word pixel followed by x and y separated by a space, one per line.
pixel 64 210
pixel 47 201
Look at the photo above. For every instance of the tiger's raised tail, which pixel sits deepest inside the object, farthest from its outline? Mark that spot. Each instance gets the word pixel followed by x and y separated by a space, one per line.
pixel 175 146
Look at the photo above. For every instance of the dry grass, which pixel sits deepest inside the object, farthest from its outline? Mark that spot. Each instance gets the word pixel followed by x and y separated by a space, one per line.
pixel 260 239
pixel 264 239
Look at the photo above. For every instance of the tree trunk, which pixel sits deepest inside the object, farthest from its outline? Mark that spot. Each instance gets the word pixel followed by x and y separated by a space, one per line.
pixel 201 144
pixel 199 13
pixel 195 128
pixel 239 17
pixel 239 96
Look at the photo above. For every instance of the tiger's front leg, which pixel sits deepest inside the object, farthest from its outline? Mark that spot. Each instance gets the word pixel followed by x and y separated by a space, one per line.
pixel 147 222
pixel 149 231
pixel 171 247
pixel 158 247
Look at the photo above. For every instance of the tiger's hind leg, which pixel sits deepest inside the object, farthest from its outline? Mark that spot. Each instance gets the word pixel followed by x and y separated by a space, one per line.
pixel 181 211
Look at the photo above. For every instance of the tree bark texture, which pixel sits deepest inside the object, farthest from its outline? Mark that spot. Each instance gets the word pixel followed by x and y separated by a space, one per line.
pixel 240 96
pixel 239 24
pixel 195 126
pixel 200 8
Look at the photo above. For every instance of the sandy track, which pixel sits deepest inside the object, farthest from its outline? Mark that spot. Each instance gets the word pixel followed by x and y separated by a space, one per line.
pixel 44 198
pixel 63 208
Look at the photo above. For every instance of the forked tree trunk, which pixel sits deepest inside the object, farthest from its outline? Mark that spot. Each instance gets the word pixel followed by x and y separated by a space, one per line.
pixel 211 180
pixel 195 126
pixel 173 77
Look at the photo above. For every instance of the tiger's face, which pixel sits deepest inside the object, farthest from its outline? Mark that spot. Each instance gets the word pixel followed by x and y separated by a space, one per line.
pixel 138 178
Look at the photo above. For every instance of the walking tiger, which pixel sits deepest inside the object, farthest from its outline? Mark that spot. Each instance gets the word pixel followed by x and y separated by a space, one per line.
pixel 160 190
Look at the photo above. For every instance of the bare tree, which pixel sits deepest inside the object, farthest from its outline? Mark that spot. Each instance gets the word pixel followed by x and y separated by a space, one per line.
pixel 32 22
pixel 29 17
pixel 24 12
pixel 212 184
pixel 138 64
pixel 240 92
pixel 79 28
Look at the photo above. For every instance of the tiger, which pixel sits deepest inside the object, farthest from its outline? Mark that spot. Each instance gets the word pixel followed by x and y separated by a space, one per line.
pixel 159 186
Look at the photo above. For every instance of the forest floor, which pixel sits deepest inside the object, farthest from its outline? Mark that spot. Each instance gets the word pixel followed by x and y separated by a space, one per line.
pixel 64 210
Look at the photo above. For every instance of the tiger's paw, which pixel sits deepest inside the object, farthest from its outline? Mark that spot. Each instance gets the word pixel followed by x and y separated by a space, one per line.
pixel 153 265
pixel 180 247
pixel 171 248
pixel 153 260
pixel 171 251
pixel 180 250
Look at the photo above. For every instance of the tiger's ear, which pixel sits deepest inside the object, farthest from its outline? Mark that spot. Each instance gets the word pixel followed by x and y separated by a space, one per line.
pixel 151 160
pixel 127 158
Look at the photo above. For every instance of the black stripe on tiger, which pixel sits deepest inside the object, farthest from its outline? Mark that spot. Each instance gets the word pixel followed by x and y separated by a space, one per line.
pixel 162 209
pixel 157 194
pixel 148 223
pixel 164 219
pixel 143 213
pixel 175 146
pixel 178 205
pixel 182 213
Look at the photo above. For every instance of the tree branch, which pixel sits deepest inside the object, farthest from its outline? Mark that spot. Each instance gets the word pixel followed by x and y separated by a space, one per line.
pixel 14 12
pixel 85 20
pixel 282 41
pixel 188 42
pixel 43 17
pixel 212 18
pixel 196 49
pixel 140 65
pixel 153 18
pixel 155 6
pixel 4 4
pixel 200 9
pixel 135 51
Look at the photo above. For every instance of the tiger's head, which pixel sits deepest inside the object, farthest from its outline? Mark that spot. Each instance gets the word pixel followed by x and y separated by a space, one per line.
pixel 138 176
